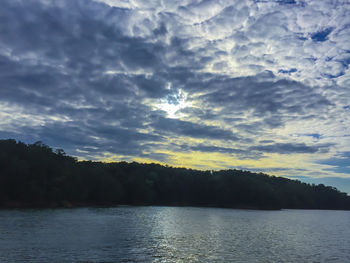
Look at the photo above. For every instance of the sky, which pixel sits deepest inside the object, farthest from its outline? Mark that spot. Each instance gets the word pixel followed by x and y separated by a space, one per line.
pixel 259 85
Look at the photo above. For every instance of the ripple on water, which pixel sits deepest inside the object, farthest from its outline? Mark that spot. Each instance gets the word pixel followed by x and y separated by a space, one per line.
pixel 173 234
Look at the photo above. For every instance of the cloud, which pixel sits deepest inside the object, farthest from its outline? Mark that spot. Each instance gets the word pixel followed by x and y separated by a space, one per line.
pixel 257 79
pixel 287 148
pixel 185 128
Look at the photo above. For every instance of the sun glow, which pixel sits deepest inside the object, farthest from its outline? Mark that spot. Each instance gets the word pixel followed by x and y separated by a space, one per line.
pixel 173 104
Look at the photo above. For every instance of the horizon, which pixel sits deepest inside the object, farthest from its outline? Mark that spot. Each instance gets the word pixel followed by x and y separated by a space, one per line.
pixel 327 181
pixel 251 85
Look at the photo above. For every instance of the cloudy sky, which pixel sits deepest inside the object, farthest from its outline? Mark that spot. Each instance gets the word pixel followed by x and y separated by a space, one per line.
pixel 262 85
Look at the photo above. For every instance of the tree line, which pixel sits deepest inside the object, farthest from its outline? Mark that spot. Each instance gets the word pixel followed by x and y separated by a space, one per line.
pixel 35 175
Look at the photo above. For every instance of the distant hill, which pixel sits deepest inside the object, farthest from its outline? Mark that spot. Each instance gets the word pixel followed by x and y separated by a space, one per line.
pixel 35 175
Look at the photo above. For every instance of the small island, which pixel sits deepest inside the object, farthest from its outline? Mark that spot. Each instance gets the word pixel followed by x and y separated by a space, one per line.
pixel 35 175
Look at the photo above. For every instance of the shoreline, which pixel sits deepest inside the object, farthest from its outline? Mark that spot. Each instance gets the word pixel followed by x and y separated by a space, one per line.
pixel 68 205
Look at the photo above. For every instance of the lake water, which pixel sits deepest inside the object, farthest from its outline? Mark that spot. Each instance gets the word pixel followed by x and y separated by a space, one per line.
pixel 173 234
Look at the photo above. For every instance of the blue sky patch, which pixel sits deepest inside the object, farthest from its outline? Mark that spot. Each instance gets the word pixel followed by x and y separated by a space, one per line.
pixel 340 164
pixel 314 135
pixel 286 2
pixel 342 184
pixel 330 76
pixel 345 62
pixel 286 71
pixel 321 35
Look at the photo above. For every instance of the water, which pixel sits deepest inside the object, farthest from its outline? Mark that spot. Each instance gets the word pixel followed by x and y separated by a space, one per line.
pixel 173 234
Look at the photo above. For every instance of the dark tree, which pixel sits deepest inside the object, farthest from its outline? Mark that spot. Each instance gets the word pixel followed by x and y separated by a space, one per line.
pixel 36 175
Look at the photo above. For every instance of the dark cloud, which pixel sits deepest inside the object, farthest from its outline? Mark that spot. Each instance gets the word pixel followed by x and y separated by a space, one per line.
pixel 288 148
pixel 238 153
pixel 161 30
pixel 264 97
pixel 270 100
pixel 178 127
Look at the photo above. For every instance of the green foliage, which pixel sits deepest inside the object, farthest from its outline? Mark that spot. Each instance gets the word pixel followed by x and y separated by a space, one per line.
pixel 36 175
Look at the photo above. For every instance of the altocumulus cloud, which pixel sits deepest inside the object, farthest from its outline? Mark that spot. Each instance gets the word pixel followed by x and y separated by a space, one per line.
pixel 152 80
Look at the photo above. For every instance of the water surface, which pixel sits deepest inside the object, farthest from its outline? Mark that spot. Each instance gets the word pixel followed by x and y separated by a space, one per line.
pixel 173 234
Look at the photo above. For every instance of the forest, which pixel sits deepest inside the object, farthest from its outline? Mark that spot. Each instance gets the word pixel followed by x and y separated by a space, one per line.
pixel 35 175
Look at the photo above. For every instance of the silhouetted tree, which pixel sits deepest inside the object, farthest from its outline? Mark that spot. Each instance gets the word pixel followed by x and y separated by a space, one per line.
pixel 36 175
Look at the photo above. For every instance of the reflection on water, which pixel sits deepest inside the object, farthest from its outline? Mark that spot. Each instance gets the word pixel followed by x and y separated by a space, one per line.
pixel 173 234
